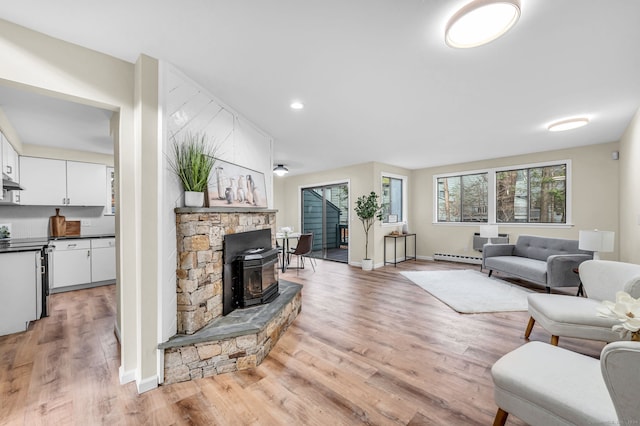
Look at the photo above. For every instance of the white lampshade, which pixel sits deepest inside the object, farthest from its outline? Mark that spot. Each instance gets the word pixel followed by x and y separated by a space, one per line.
pixel 596 241
pixel 489 231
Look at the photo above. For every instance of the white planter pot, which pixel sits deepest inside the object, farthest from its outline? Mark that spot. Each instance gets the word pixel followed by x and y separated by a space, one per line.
pixel 367 264
pixel 193 199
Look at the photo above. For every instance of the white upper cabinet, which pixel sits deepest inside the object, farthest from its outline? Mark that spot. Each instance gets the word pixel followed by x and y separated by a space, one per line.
pixel 10 162
pixel 50 182
pixel 86 184
pixel 44 181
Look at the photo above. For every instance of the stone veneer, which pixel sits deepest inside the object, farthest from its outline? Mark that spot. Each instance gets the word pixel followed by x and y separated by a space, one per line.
pixel 238 341
pixel 200 233
pixel 208 343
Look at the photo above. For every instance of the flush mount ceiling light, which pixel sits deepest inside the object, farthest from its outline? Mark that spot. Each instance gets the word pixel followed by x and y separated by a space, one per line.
pixel 280 170
pixel 568 124
pixel 296 105
pixel 481 22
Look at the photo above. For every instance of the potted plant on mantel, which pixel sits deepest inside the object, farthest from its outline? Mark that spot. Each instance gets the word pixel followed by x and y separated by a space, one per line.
pixel 368 210
pixel 193 159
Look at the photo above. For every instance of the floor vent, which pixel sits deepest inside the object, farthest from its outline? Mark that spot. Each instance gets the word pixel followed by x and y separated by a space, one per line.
pixel 457 258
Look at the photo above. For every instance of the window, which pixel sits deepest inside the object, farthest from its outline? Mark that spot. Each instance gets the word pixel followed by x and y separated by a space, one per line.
pixel 463 198
pixel 537 193
pixel 532 195
pixel 393 198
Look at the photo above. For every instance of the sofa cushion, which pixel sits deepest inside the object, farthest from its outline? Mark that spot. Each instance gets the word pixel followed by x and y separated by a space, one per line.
pixel 546 385
pixel 571 316
pixel 523 267
pixel 541 248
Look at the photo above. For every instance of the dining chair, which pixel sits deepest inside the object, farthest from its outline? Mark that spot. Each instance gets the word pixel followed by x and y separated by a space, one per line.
pixel 303 249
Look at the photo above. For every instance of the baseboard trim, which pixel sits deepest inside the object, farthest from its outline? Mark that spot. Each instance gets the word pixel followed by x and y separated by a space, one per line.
pixel 145 385
pixel 126 376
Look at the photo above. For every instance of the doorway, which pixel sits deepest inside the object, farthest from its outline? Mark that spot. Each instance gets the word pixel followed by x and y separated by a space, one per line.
pixel 325 213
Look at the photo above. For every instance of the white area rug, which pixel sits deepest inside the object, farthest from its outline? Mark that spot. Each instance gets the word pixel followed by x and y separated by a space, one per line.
pixel 469 291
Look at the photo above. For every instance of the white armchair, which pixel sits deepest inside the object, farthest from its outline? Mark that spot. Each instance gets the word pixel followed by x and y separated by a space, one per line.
pixel 571 316
pixel 545 385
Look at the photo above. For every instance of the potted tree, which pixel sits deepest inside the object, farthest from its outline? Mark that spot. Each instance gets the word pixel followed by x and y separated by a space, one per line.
pixel 192 161
pixel 368 210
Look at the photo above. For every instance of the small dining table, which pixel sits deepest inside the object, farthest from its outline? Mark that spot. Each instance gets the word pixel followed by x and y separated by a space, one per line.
pixel 285 245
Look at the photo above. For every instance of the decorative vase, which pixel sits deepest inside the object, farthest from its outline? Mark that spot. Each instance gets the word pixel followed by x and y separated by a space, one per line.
pixel 193 199
pixel 367 264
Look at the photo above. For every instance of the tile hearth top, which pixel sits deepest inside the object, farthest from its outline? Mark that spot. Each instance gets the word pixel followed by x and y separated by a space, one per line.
pixel 239 322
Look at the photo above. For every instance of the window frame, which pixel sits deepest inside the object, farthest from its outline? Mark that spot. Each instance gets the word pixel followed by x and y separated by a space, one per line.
pixel 404 219
pixel 491 194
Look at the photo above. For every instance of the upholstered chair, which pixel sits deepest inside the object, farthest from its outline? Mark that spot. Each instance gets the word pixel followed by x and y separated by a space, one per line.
pixel 546 385
pixel 571 316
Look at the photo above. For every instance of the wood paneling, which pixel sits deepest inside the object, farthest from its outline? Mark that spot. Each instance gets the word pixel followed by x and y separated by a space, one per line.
pixel 367 348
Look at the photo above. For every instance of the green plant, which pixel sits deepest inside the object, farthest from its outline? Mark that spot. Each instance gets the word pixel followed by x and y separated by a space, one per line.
pixel 192 161
pixel 368 210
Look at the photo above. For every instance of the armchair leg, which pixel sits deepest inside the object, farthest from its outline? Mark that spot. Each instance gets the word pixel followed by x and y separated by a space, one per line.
pixel 554 340
pixel 527 332
pixel 501 417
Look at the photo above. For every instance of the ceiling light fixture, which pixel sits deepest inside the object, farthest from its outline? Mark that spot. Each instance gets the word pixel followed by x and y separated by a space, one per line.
pixel 296 105
pixel 280 170
pixel 568 124
pixel 481 22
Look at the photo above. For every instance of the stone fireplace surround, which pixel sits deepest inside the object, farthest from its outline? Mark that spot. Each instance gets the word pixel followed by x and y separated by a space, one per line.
pixel 208 343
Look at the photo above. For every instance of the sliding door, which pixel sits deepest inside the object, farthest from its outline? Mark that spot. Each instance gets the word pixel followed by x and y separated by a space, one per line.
pixel 325 213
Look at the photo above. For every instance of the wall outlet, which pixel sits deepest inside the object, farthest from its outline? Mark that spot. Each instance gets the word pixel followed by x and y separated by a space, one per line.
pixel 85 222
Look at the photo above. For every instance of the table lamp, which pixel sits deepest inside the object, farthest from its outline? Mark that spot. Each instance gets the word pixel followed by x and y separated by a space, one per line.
pixel 596 241
pixel 489 232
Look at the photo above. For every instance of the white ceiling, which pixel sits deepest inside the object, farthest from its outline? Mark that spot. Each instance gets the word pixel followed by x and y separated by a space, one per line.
pixel 377 79
pixel 46 121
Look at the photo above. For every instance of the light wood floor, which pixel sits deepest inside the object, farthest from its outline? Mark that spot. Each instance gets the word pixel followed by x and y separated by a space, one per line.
pixel 367 348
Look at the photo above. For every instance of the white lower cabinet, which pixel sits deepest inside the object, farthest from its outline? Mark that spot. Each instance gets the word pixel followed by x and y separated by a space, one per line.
pixel 83 262
pixel 21 290
pixel 71 263
pixel 103 259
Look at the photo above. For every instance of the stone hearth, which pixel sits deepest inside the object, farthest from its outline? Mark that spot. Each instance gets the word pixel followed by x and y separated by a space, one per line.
pixel 208 343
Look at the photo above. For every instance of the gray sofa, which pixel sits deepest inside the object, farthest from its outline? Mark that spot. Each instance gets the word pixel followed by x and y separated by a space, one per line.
pixel 546 261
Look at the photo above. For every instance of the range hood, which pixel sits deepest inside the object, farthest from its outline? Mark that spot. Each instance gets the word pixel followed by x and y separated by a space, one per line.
pixel 10 185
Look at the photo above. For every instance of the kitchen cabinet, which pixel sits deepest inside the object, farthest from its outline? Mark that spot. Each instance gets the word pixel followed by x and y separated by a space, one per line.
pixel 103 259
pixel 50 182
pixel 10 163
pixel 83 262
pixel 20 290
pixel 9 197
pixel 71 262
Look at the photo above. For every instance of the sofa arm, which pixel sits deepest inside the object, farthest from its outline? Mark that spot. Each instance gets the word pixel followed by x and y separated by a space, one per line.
pixel 560 269
pixel 491 250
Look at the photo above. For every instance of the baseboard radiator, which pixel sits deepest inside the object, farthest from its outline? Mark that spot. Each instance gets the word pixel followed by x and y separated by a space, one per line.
pixel 457 258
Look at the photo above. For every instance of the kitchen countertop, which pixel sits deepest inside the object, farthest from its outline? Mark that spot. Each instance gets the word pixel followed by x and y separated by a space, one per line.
pixel 13 245
pixel 22 244
pixel 82 237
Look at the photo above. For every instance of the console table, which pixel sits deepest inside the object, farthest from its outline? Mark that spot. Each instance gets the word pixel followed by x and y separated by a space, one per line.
pixel 395 248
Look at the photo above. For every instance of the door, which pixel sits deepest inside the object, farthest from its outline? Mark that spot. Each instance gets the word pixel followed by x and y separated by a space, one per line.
pixel 325 213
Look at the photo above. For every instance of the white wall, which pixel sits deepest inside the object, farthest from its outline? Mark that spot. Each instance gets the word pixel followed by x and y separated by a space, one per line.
pixel 33 221
pixel 630 192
